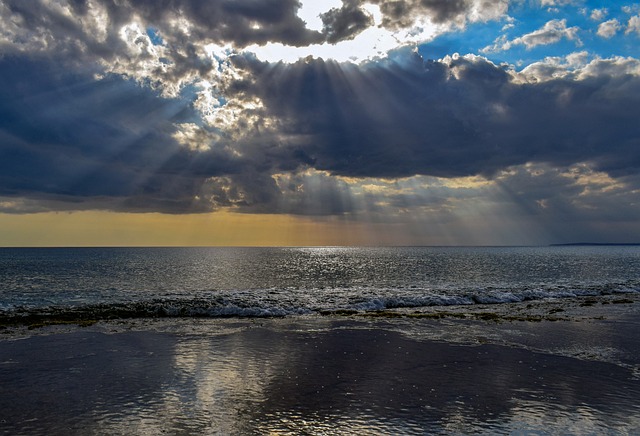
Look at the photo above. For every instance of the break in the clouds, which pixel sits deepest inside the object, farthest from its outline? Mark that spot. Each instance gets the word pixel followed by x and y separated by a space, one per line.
pixel 278 106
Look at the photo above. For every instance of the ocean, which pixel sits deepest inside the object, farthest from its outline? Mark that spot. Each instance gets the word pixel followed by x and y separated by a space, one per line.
pixel 320 341
pixel 265 282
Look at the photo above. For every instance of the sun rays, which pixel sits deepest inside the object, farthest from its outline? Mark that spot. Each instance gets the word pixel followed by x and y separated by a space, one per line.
pixel 324 123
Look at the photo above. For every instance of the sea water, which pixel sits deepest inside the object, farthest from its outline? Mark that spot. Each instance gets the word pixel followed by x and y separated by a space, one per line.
pixel 229 341
pixel 259 282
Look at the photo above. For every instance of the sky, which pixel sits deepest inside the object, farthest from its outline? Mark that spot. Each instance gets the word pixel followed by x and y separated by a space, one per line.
pixel 338 122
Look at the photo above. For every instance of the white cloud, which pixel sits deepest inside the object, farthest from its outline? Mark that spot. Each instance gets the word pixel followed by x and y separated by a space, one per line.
pixel 599 14
pixel 608 29
pixel 553 68
pixel 634 25
pixel 552 32
pixel 559 2
pixel 614 67
pixel 577 66
pixel 501 43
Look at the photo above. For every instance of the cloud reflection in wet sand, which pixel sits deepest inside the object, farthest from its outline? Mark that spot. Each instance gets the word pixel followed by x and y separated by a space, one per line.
pixel 334 381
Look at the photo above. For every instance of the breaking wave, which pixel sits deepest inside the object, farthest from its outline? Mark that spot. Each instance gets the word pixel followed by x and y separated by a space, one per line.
pixel 290 302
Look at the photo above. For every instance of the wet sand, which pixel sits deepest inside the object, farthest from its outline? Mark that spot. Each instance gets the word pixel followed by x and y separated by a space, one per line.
pixel 328 375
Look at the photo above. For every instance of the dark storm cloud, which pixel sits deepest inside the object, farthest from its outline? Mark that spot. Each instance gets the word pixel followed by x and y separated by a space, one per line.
pixel 572 204
pixel 73 136
pixel 345 22
pixel 403 13
pixel 65 136
pixel 91 35
pixel 240 22
pixel 457 117
pixel 93 28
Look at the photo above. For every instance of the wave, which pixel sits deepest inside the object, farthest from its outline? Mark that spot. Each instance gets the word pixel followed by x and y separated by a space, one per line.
pixel 283 303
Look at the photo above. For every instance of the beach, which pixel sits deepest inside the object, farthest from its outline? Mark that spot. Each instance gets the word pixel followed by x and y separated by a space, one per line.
pixel 305 217
pixel 395 372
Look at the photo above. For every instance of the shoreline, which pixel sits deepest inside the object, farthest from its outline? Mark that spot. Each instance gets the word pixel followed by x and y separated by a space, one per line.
pixel 536 310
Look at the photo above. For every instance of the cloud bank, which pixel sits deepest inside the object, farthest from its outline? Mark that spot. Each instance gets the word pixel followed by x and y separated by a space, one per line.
pixel 160 106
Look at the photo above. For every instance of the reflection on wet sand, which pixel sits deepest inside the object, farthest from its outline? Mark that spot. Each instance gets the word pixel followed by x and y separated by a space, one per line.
pixel 345 379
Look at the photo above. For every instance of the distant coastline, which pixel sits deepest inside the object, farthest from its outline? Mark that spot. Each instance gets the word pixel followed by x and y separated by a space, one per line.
pixel 605 244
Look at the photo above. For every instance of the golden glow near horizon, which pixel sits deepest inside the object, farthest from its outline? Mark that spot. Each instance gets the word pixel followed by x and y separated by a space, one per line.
pixel 104 229
pixel 96 228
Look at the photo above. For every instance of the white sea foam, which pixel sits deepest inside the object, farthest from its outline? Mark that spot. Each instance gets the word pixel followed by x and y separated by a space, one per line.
pixel 255 304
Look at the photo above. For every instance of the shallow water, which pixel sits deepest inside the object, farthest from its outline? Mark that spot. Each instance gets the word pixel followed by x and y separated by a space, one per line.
pixel 341 377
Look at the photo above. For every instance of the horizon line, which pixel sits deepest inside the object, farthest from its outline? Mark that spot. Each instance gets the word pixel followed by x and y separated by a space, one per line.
pixel 569 244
